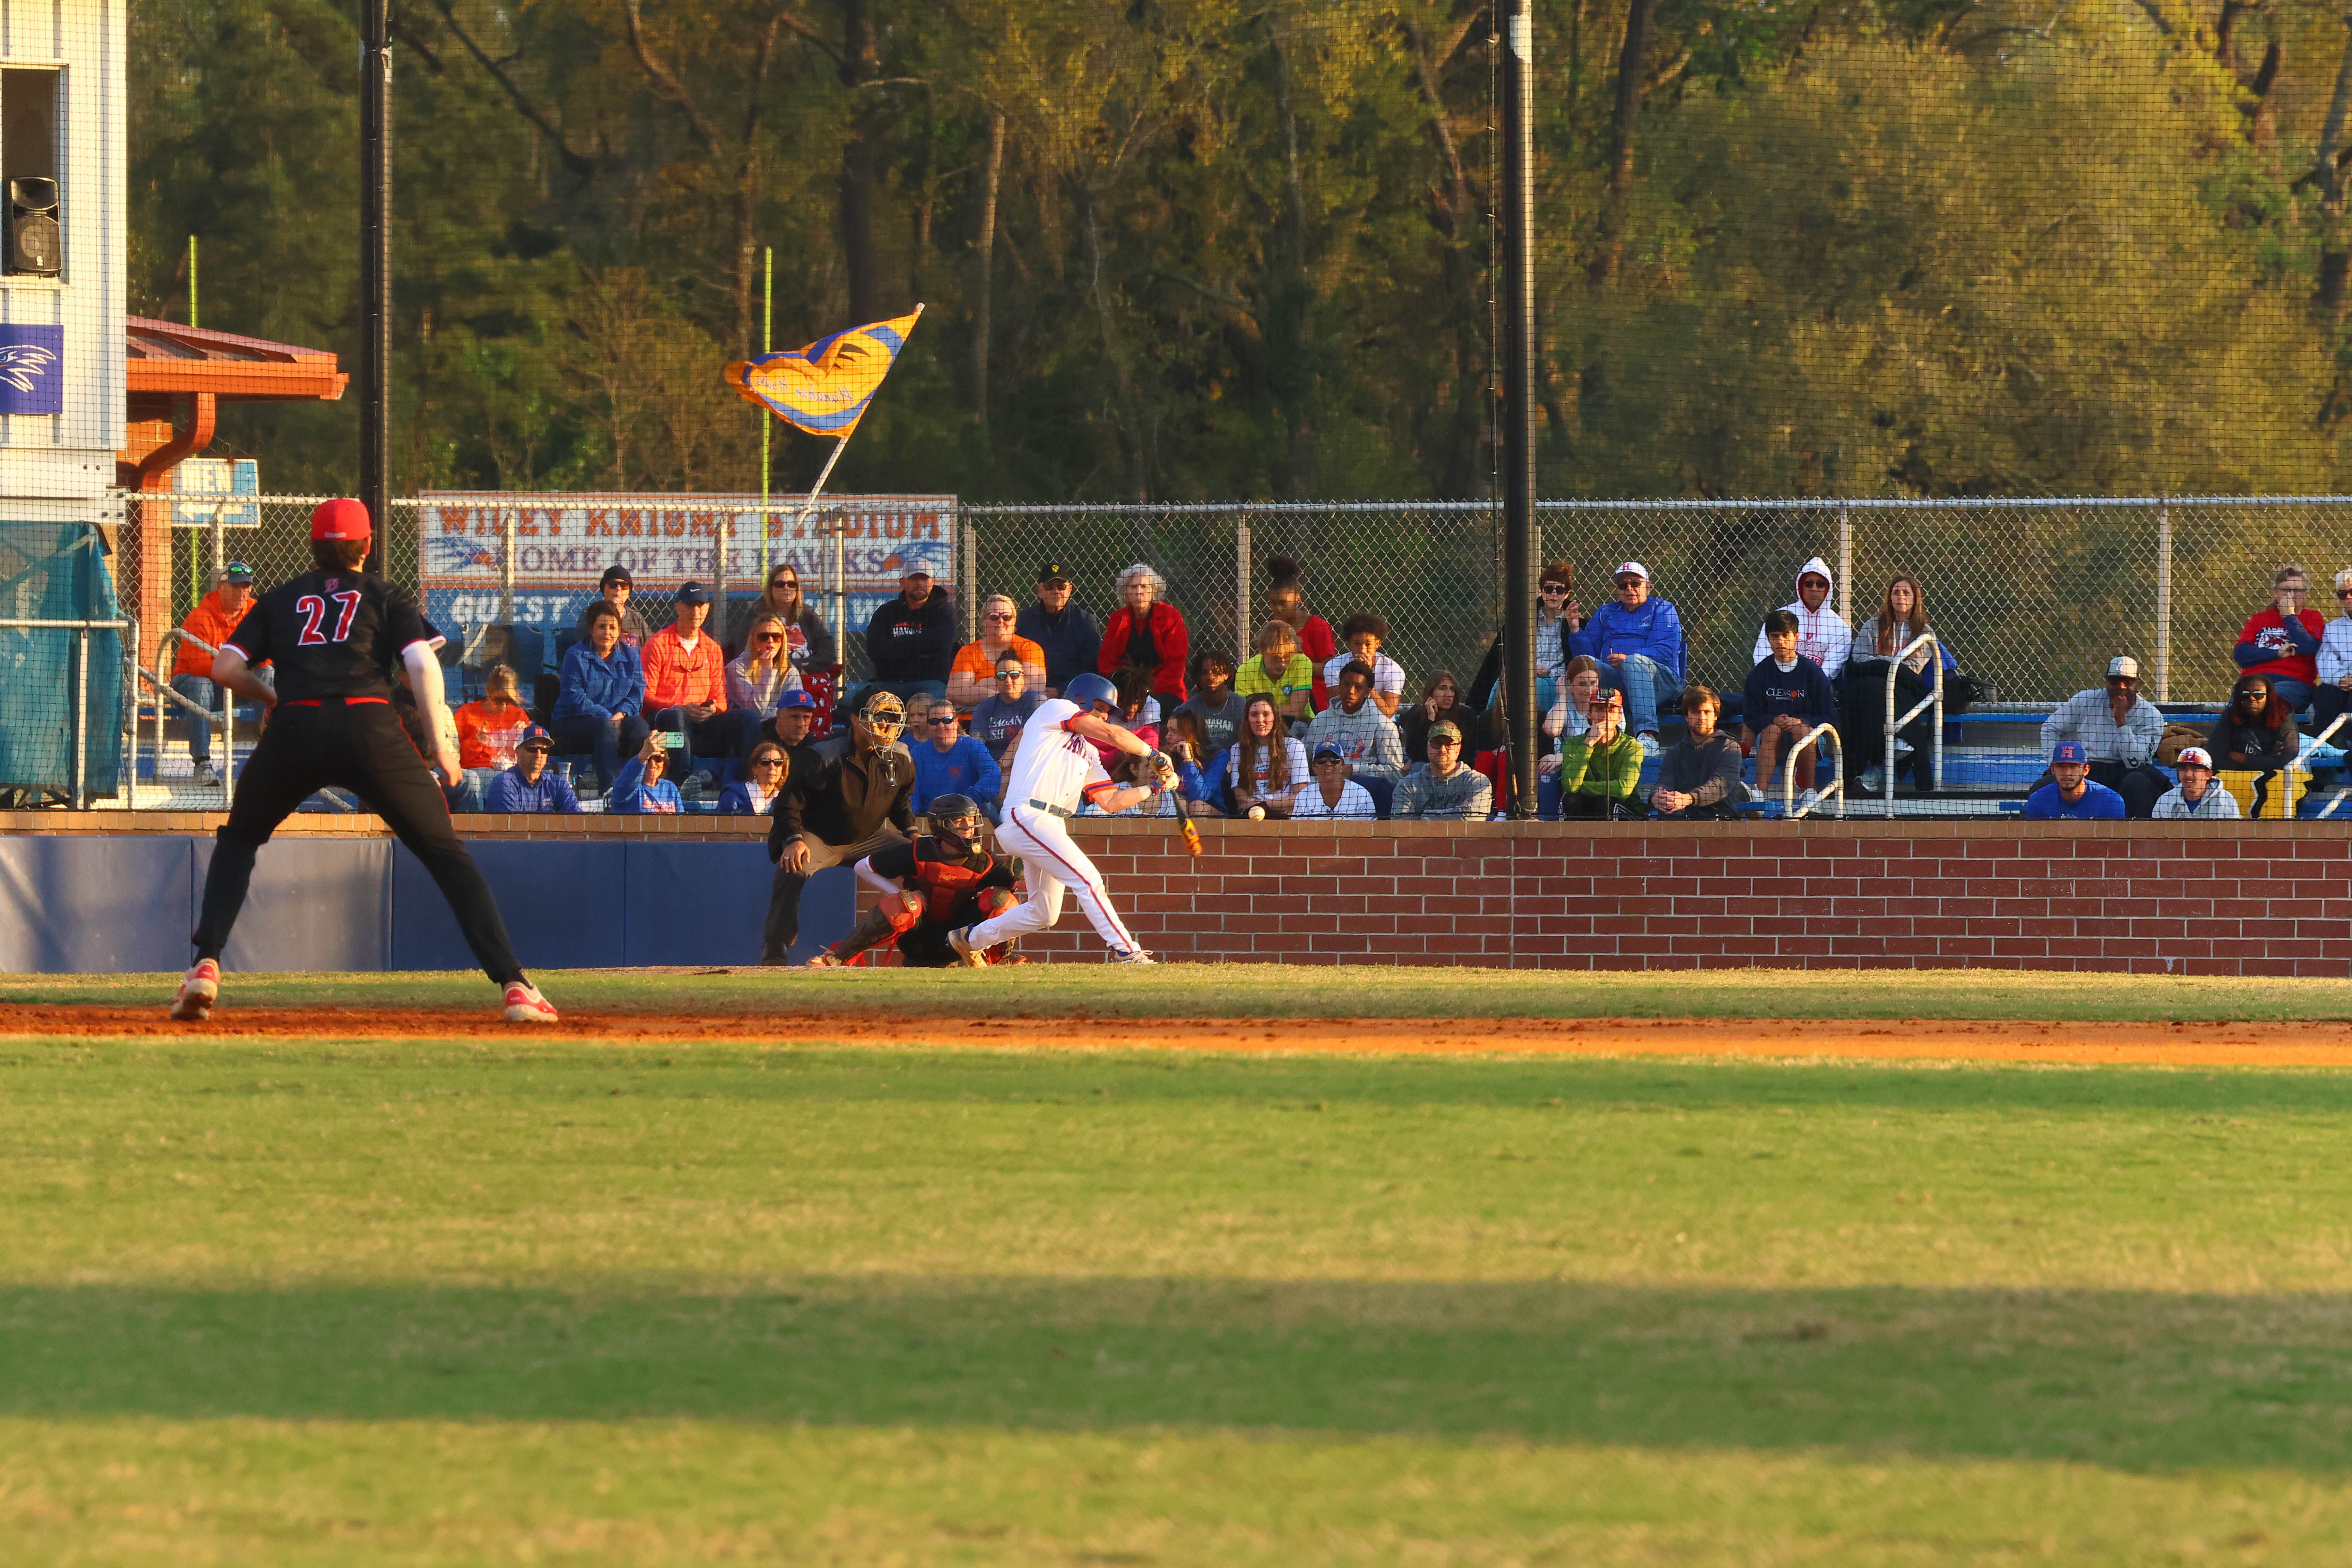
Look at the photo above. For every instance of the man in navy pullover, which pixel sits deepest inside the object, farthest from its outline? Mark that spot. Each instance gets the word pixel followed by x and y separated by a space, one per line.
pixel 1638 641
pixel 911 640
pixel 1787 696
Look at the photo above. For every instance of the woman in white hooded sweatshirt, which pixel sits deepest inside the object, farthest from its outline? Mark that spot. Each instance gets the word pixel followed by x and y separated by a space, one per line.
pixel 1823 634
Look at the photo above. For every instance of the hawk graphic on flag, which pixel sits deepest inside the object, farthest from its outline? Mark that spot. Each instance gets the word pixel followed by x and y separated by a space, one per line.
pixel 825 388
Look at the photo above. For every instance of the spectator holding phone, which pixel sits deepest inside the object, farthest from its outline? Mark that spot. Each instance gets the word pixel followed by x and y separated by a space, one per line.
pixel 644 788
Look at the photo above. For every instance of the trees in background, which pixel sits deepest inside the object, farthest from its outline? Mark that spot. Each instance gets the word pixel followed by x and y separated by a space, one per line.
pixel 1192 249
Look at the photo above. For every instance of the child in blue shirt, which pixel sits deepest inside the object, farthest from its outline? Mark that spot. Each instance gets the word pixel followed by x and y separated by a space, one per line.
pixel 1787 696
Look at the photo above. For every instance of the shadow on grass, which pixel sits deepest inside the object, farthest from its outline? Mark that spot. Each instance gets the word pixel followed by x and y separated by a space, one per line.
pixel 2124 1379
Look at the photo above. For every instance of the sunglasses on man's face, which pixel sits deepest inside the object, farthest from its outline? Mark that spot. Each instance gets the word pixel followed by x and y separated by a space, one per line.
pixel 1010 674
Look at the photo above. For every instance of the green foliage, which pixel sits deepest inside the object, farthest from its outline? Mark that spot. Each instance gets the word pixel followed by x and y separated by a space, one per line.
pixel 1883 246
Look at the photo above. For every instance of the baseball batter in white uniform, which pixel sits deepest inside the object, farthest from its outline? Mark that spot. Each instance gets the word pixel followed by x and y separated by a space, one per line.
pixel 1056 769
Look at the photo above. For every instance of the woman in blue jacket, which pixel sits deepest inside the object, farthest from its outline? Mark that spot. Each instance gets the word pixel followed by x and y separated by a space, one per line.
pixel 604 686
pixel 641 790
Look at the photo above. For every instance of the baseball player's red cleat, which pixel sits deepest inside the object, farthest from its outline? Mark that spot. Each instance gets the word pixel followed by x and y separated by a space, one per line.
pixel 199 989
pixel 526 1005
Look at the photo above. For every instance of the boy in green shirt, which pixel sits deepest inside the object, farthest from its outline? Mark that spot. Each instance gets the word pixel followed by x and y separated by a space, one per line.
pixel 1600 769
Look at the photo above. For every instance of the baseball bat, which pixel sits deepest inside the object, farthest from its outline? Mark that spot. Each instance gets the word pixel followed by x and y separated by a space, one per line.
pixel 1191 834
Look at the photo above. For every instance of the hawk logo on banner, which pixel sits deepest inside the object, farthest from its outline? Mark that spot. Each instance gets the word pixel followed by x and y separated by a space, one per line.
pixel 30 362
pixel 825 388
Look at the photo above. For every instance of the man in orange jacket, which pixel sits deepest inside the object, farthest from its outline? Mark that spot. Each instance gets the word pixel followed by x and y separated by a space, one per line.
pixel 211 621
pixel 686 684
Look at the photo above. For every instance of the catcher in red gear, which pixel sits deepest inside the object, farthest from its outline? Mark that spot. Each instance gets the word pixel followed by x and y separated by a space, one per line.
pixel 941 882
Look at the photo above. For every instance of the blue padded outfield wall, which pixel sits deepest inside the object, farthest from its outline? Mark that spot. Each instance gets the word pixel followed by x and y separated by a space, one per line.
pixel 115 906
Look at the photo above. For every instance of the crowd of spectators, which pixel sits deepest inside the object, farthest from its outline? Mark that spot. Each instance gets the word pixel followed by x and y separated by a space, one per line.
pixel 1321 723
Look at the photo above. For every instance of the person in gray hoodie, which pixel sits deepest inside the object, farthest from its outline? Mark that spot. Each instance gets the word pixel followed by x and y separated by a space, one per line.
pixel 1355 726
pixel 1823 634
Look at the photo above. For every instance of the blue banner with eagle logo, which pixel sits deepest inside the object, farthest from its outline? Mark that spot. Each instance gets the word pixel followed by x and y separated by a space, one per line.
pixel 32 370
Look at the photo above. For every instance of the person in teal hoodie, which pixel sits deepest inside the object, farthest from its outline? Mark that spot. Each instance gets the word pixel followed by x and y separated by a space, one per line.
pixel 1638 640
pixel 641 790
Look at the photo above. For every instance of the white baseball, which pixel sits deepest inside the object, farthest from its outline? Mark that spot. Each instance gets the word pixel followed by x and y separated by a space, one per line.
pixel 1257 814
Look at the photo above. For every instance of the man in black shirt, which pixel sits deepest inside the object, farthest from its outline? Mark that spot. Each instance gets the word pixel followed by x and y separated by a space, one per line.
pixel 1065 629
pixel 910 640
pixel 854 797
pixel 334 634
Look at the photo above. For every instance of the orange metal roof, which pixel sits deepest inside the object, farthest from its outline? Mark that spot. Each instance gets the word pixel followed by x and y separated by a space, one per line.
pixel 166 357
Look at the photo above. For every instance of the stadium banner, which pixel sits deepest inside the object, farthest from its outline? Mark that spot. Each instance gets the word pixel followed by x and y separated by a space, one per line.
pixel 565 540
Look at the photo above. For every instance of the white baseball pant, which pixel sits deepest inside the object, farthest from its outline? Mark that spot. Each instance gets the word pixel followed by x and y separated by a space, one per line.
pixel 1050 862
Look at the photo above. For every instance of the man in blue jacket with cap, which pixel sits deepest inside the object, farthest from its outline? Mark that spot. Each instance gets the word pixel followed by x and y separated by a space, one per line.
pixel 1638 641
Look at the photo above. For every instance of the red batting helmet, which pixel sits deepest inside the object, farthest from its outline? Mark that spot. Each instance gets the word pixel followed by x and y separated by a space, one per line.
pixel 341 518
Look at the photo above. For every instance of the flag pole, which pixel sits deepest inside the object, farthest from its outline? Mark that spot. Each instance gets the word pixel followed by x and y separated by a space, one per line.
pixel 767 345
pixel 840 583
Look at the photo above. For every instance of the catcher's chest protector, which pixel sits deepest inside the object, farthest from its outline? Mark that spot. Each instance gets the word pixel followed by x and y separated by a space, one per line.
pixel 942 880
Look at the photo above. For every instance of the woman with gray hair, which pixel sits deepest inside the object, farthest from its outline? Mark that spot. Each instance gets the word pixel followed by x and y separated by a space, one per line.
pixel 973 678
pixel 1146 633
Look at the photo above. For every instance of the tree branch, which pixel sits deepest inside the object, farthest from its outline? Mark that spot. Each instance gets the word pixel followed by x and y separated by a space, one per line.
pixel 578 162
pixel 665 82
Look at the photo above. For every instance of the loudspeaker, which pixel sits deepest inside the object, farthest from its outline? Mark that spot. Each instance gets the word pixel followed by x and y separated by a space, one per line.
pixel 36 245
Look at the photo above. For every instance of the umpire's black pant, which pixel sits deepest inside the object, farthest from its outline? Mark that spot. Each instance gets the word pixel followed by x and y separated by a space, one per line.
pixel 361 747
pixel 784 924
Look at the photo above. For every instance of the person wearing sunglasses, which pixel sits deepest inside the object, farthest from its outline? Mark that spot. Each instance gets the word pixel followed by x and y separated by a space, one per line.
pixel 760 677
pixel 2282 641
pixel 1558 617
pixel 2333 698
pixel 764 777
pixel 1638 640
pixel 953 763
pixel 807 639
pixel 971 678
pixel 2119 730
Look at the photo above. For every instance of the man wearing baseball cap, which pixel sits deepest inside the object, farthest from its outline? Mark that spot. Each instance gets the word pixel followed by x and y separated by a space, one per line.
pixel 2071 796
pixel 1638 638
pixel 208 625
pixel 910 640
pixel 1448 789
pixel 530 784
pixel 2199 795
pixel 2118 731
pixel 1065 630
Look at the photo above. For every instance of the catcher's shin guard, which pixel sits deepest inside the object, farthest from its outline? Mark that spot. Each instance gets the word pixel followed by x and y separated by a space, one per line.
pixel 995 903
pixel 873 926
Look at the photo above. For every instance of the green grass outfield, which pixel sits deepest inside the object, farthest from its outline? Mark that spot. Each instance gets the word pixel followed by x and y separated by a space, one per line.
pixel 1191 990
pixel 270 1303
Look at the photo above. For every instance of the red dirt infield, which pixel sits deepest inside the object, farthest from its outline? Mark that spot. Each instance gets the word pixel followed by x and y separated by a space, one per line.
pixel 2155 1044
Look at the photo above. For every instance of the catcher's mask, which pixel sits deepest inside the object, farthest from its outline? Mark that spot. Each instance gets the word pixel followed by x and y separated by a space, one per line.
pixel 956 822
pixel 884 716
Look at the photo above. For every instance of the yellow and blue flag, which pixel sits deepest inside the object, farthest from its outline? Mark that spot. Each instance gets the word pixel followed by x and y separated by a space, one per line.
pixel 823 388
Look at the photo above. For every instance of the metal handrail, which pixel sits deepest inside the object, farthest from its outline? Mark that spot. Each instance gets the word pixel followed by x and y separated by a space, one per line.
pixel 227 716
pixel 1836 752
pixel 1934 699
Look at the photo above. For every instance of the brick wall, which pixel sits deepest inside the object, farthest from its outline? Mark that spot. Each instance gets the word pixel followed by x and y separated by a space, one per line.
pixel 2144 897
pixel 2155 897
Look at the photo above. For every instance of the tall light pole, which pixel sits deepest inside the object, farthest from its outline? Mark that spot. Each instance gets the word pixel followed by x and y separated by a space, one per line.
pixel 375 270
pixel 1517 207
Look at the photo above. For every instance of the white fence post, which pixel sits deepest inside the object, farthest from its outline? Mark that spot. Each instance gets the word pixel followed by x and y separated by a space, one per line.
pixel 967 544
pixel 1846 564
pixel 506 566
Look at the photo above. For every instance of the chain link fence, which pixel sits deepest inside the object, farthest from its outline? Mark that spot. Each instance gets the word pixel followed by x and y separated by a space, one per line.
pixel 2032 595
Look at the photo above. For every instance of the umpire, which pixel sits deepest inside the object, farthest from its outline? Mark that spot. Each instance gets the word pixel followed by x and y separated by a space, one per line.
pixel 854 796
pixel 335 634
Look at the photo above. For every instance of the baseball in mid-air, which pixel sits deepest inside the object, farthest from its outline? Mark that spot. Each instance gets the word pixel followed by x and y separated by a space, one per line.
pixel 1257 814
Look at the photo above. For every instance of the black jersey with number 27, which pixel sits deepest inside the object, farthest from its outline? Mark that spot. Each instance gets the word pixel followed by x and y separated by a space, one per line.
pixel 332 634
